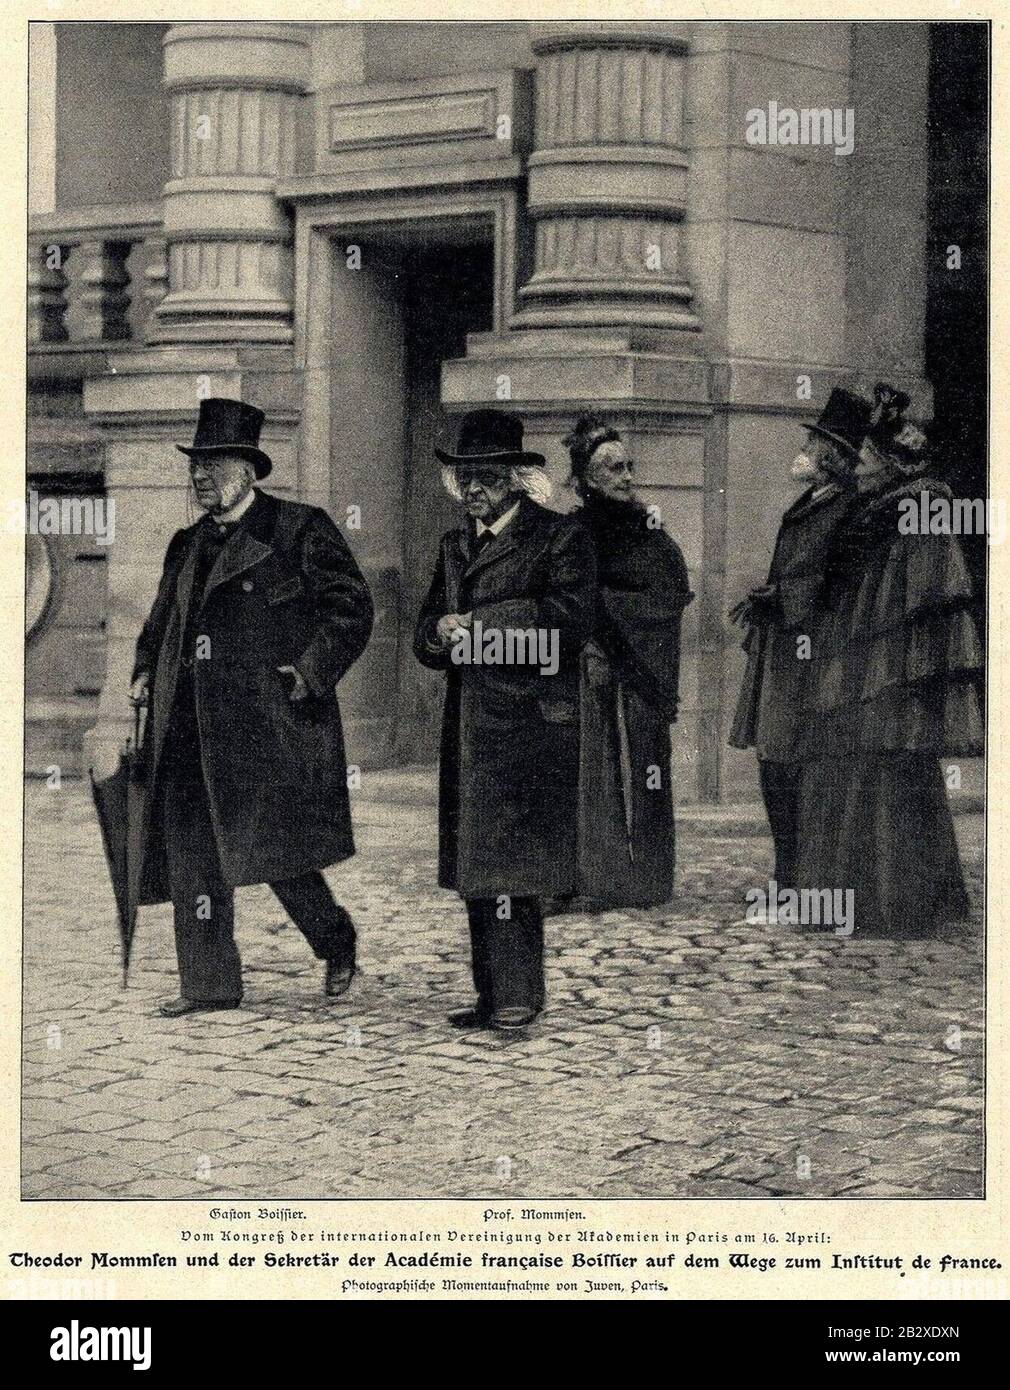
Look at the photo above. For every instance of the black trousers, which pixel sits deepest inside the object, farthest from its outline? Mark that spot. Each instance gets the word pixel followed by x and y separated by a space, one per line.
pixel 507 953
pixel 780 787
pixel 204 905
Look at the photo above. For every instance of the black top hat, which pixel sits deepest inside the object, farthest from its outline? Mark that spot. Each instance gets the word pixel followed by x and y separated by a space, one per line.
pixel 490 439
pixel 844 421
pixel 229 427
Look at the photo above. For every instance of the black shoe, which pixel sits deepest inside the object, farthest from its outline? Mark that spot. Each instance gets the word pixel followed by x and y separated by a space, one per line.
pixel 337 981
pixel 468 1018
pixel 508 1020
pixel 175 1008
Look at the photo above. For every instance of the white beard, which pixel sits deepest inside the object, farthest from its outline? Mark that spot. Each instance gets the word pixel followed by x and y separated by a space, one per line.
pixel 801 470
pixel 232 494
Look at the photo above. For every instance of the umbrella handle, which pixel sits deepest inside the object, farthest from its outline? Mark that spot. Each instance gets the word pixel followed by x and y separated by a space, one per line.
pixel 139 727
pixel 137 769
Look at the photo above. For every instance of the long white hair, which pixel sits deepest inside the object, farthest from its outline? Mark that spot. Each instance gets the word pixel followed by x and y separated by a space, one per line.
pixel 526 478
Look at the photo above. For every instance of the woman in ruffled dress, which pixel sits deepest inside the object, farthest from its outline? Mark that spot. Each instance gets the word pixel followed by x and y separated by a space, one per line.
pixel 893 690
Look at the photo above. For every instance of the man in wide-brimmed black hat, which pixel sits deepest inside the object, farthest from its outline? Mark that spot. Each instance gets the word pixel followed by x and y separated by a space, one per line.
pixel 509 609
pixel 260 611
pixel 769 713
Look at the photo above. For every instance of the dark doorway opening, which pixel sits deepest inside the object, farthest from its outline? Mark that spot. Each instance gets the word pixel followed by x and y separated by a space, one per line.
pixel 404 298
pixel 447 293
pixel 434 287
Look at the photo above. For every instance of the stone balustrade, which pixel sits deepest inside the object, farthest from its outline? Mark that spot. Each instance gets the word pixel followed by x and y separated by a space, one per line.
pixel 94 275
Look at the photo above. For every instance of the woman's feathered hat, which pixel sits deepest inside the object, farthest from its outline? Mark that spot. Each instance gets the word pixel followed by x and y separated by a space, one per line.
pixel 902 443
pixel 589 432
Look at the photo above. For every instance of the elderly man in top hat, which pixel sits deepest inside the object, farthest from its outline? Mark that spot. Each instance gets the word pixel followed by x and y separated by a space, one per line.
pixel 510 606
pixel 776 614
pixel 260 611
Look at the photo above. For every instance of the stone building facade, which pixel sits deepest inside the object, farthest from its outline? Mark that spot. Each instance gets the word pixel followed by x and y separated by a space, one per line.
pixel 367 229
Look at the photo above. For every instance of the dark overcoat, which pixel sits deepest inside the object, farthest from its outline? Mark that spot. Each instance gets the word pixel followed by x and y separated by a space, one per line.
pixel 629 695
pixel 769 714
pixel 284 591
pixel 509 754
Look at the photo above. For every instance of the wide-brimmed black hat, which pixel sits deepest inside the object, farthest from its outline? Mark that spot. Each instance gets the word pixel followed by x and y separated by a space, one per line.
pixel 490 439
pixel 229 427
pixel 844 421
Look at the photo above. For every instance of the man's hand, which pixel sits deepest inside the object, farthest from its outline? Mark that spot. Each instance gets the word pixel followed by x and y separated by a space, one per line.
pixel 452 626
pixel 299 690
pixel 740 613
pixel 758 607
pixel 139 689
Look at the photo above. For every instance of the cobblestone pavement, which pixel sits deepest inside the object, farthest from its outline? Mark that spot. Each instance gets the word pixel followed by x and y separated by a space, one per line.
pixel 685 1052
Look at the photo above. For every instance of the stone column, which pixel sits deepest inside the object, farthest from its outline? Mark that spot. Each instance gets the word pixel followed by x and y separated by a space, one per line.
pixel 223 328
pixel 806 262
pixel 234 90
pixel 605 321
pixel 886 244
pixel 607 179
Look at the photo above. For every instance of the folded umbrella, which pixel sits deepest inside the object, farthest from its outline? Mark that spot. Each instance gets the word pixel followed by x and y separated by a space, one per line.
pixel 121 806
pixel 624 760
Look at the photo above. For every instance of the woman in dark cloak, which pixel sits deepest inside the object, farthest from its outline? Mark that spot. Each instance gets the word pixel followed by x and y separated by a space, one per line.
pixel 893 690
pixel 629 681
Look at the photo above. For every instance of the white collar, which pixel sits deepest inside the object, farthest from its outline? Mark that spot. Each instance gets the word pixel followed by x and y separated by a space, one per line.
pixel 497 527
pixel 239 509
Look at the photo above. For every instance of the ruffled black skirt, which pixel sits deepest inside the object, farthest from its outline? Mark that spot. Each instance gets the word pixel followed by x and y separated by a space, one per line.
pixel 879 823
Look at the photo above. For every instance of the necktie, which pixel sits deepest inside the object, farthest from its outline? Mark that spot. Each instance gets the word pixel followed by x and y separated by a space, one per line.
pixel 209 544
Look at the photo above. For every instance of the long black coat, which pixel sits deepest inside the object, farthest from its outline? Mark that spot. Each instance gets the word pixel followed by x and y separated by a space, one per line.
pixel 284 591
pixel 630 677
pixel 508 768
pixel 769 714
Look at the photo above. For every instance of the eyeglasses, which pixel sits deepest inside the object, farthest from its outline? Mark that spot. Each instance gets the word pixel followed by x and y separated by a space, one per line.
pixel 206 466
pixel 489 478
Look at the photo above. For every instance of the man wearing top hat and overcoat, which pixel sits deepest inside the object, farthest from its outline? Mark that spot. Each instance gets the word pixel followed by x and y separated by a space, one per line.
pixel 508 766
pixel 769 713
pixel 260 611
